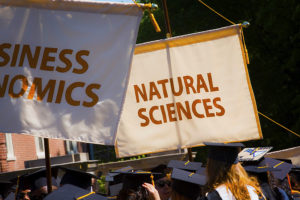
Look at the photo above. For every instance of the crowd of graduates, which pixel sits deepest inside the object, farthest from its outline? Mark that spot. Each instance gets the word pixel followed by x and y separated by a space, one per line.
pixel 229 173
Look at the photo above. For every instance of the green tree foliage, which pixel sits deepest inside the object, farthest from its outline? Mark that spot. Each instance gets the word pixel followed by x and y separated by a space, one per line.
pixel 273 44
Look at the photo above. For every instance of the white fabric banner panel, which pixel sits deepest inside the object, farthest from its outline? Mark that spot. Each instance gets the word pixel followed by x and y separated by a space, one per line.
pixel 64 67
pixel 188 90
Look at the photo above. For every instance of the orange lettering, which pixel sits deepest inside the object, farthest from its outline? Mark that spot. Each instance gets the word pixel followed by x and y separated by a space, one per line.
pixel 221 108
pixel 32 60
pixel 188 81
pixel 23 89
pixel 153 91
pixel 207 108
pixel 140 114
pixel 47 58
pixel 199 115
pixel 151 111
pixel 211 85
pixel 186 111
pixel 81 61
pixel 69 91
pixel 92 95
pixel 138 92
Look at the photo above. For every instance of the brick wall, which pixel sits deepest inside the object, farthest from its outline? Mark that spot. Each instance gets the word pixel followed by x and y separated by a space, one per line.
pixel 57 147
pixel 3 164
pixel 25 149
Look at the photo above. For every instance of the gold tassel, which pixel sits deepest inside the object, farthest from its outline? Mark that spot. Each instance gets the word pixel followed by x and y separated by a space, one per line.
pixel 152 180
pixel 153 21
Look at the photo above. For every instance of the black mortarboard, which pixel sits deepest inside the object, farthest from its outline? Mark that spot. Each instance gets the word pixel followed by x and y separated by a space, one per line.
pixel 187 183
pixel 185 165
pixel 115 179
pixel 21 182
pixel 224 152
pixel 38 178
pixel 77 177
pixel 10 196
pixel 116 176
pixel 295 169
pixel 72 192
pixel 253 154
pixel 201 171
pixel 4 187
pixel 284 167
pixel 190 177
pixel 163 170
pixel 115 189
pixel 134 180
pixel 259 169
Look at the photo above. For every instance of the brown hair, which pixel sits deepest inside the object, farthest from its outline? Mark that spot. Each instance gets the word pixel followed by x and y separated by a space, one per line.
pixel 233 176
pixel 176 196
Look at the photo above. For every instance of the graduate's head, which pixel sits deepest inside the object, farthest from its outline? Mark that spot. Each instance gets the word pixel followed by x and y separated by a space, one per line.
pixel 223 167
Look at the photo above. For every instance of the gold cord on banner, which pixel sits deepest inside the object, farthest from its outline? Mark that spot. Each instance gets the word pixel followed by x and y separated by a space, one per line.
pixel 247 60
pixel 279 124
pixel 242 34
pixel 216 12
pixel 148 6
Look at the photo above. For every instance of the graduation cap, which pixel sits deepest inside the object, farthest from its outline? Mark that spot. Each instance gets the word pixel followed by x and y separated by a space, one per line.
pixel 77 177
pixel 115 189
pixel 253 154
pixel 72 192
pixel 187 183
pixel 134 180
pixel 185 165
pixel 10 196
pixel 20 183
pixel 259 169
pixel 284 167
pixel 189 177
pixel 295 169
pixel 163 169
pixel 227 153
pixel 116 176
pixel 201 171
pixel 4 187
pixel 115 179
pixel 38 179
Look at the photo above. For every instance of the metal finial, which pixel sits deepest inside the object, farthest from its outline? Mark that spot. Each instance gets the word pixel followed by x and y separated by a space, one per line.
pixel 245 24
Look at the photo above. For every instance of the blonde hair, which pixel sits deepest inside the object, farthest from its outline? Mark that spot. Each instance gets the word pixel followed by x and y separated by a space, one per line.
pixel 233 176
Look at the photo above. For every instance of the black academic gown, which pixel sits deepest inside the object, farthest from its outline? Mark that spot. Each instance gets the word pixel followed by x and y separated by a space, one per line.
pixel 268 192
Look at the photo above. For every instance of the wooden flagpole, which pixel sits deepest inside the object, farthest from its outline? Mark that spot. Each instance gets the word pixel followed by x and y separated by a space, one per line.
pixel 168 35
pixel 48 165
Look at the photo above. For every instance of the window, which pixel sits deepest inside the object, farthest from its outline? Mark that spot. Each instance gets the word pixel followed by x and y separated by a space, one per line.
pixel 71 147
pixel 9 147
pixel 39 146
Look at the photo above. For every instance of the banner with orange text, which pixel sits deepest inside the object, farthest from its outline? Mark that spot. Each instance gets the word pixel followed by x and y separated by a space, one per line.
pixel 64 67
pixel 187 90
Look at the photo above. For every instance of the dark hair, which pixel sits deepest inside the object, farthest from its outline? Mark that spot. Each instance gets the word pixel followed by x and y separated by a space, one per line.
pixel 130 194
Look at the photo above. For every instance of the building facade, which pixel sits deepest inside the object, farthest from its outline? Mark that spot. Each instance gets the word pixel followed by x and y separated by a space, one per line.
pixel 17 149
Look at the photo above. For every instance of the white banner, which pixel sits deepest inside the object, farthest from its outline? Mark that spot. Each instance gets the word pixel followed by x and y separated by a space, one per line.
pixel 64 67
pixel 185 91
